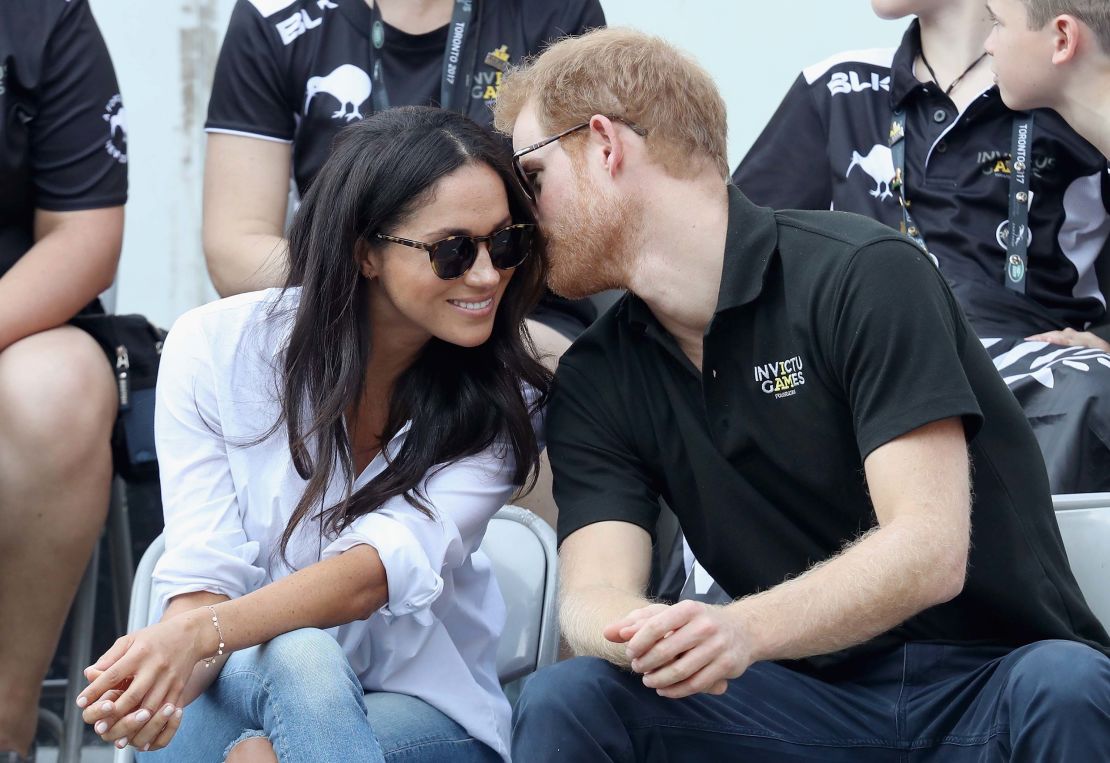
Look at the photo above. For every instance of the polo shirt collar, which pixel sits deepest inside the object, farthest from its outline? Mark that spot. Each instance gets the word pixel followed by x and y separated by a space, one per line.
pixel 750 243
pixel 902 80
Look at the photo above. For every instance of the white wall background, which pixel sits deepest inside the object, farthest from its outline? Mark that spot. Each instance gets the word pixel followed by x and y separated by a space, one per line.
pixel 164 52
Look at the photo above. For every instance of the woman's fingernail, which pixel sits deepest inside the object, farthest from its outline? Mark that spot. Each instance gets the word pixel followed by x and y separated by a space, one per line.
pixel 101 727
pixel 82 701
pixel 167 710
pixel 142 716
pixel 122 743
pixel 177 713
pixel 106 707
pixel 147 747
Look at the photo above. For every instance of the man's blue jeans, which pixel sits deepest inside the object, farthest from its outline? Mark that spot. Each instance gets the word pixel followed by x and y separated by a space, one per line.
pixel 918 703
pixel 300 692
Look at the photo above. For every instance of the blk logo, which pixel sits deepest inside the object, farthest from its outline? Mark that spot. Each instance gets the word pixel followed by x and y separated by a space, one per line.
pixel 850 82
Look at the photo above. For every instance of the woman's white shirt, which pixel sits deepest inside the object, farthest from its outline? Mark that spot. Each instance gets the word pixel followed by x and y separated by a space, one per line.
pixel 227 498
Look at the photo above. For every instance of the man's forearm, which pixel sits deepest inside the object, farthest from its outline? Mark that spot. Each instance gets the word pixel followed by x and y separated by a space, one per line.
pixel 879 581
pixel 584 613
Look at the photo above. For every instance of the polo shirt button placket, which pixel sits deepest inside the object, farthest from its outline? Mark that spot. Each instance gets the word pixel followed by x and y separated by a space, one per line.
pixel 939 116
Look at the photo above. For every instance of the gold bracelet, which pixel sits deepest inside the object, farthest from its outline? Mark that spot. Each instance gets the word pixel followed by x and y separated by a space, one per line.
pixel 210 661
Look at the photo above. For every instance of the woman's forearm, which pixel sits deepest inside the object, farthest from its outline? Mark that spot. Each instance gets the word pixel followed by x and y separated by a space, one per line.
pixel 350 586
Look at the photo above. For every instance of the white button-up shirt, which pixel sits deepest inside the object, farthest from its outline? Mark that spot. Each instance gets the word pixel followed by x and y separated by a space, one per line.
pixel 227 500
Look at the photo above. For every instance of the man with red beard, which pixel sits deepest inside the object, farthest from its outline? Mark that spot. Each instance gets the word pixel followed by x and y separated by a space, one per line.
pixel 756 378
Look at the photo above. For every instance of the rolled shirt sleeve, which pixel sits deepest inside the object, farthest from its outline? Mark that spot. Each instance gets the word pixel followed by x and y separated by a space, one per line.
pixel 207 548
pixel 415 549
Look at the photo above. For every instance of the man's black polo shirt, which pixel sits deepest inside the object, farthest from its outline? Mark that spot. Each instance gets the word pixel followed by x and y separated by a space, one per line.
pixel 826 147
pixel 832 336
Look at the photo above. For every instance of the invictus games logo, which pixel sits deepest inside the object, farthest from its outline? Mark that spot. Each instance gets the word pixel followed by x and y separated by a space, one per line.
pixel 116 117
pixel 487 84
pixel 781 379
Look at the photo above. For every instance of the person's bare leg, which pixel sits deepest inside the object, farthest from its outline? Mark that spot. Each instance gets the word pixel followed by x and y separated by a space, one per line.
pixel 551 345
pixel 253 750
pixel 57 406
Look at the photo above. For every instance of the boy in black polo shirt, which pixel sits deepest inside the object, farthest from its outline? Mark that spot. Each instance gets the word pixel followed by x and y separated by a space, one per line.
pixel 1055 54
pixel 805 393
pixel 1037 301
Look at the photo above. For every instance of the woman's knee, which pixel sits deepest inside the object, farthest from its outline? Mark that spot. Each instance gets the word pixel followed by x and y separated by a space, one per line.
pixel 309 663
pixel 57 395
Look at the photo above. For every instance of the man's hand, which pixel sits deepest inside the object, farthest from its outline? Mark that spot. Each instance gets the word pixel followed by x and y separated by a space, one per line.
pixel 1071 338
pixel 685 648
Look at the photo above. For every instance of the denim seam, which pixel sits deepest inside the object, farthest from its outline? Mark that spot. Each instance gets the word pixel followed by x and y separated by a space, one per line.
pixel 430 743
pixel 894 744
pixel 763 733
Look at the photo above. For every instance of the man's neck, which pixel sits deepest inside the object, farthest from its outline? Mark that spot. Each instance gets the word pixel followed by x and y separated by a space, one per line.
pixel 951 39
pixel 677 268
pixel 415 16
pixel 1086 107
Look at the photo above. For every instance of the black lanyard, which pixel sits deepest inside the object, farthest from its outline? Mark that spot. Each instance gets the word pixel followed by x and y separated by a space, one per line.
pixel 458 58
pixel 1017 240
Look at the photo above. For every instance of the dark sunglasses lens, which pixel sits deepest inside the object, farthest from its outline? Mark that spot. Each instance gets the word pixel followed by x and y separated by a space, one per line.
pixel 510 247
pixel 453 257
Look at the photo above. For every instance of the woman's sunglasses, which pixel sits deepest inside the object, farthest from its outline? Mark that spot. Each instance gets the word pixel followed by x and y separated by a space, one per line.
pixel 453 256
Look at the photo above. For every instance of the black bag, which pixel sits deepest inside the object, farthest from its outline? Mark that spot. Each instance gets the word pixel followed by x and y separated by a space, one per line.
pixel 134 348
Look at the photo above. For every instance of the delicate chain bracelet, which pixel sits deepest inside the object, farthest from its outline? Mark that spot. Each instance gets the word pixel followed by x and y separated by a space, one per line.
pixel 210 661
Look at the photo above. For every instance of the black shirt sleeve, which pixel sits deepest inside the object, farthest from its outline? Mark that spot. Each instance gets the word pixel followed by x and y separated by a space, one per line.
pixel 598 476
pixel 787 166
pixel 78 137
pixel 579 17
pixel 897 337
pixel 248 95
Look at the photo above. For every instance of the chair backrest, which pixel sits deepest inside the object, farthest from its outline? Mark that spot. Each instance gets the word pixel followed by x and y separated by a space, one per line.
pixel 521 547
pixel 1085 527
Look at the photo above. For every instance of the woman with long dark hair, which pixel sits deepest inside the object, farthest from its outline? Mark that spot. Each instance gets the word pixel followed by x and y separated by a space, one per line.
pixel 331 453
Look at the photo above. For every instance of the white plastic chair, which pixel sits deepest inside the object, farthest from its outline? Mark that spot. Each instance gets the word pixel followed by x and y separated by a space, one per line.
pixel 1084 521
pixel 521 547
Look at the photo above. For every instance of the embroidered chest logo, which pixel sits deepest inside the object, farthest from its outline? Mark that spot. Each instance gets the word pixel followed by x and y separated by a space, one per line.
pixel 488 84
pixel 878 164
pixel 347 84
pixel 116 117
pixel 781 379
pixel 300 22
pixel 850 82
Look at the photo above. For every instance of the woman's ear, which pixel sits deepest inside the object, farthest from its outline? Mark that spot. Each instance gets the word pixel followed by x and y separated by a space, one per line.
pixel 365 262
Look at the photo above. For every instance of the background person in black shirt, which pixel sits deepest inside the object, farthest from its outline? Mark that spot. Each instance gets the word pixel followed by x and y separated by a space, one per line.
pixel 63 183
pixel 828 145
pixel 803 390
pixel 292 73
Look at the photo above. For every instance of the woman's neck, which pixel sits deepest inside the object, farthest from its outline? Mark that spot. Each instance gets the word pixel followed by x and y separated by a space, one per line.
pixel 952 39
pixel 415 16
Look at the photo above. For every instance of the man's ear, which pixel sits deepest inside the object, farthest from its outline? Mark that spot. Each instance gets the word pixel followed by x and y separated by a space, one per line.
pixel 605 131
pixel 1066 33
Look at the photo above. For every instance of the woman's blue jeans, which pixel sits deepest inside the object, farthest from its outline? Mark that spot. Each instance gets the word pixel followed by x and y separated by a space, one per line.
pixel 299 691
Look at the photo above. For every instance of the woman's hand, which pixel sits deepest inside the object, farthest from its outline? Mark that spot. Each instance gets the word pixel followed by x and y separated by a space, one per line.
pixel 144 672
pixel 141 729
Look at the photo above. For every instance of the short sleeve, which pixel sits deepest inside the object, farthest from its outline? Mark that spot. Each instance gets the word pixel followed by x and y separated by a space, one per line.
pixel 417 550
pixel 598 476
pixel 78 137
pixel 207 548
pixel 897 338
pixel 787 166
pixel 581 16
pixel 248 94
